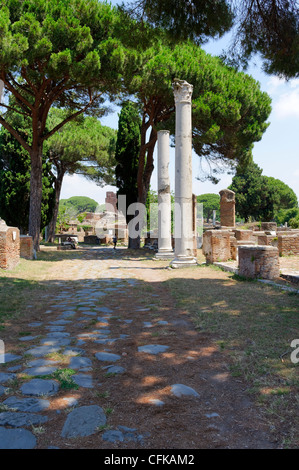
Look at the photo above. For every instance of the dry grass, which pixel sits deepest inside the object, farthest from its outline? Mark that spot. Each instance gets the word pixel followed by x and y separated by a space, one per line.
pixel 254 324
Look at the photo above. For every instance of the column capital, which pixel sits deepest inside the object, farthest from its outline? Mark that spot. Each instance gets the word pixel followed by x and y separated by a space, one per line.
pixel 182 91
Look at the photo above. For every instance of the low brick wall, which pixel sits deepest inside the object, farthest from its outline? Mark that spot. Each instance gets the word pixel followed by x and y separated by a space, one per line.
pixel 266 240
pixel 216 245
pixel 259 262
pixel 288 244
pixel 9 246
pixel 269 226
pixel 243 235
pixel 26 247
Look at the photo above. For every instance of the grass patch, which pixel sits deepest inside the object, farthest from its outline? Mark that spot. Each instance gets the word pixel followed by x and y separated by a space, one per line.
pixel 253 325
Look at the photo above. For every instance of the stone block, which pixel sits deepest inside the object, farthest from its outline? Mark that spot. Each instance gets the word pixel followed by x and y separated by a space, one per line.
pixel 288 244
pixel 227 208
pixel 216 245
pixel 258 262
pixel 9 246
pixel 26 247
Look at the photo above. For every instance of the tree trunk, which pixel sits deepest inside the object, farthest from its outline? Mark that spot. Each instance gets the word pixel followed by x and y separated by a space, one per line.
pixel 52 224
pixel 36 188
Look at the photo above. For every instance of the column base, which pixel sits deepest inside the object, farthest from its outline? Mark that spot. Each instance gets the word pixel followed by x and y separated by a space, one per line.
pixel 183 262
pixel 164 255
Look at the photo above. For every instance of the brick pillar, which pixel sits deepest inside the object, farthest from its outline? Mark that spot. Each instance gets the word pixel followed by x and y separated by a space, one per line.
pixel 227 208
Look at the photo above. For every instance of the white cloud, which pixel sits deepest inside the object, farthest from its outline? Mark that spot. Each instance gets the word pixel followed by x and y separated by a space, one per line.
pixel 287 105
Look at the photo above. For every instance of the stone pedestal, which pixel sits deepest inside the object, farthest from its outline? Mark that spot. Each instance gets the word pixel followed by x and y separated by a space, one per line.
pixel 26 247
pixel 184 238
pixel 9 246
pixel 227 208
pixel 164 199
pixel 216 245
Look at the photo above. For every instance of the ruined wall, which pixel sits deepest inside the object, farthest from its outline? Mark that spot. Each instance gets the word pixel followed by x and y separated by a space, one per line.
pixel 216 245
pixel 9 246
pixel 227 208
pixel 26 247
pixel 258 262
pixel 288 244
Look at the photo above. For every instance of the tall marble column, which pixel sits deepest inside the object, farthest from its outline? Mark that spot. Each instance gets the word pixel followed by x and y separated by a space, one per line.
pixel 183 176
pixel 164 199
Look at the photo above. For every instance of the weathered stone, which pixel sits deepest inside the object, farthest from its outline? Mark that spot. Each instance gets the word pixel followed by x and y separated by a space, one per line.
pixel 78 362
pixel 40 370
pixel 153 348
pixel 29 405
pixel 18 420
pixel 40 387
pixel 16 439
pixel 107 357
pixel 83 380
pixel 259 262
pixel 83 421
pixel 179 389
pixel 6 377
pixel 216 245
pixel 227 208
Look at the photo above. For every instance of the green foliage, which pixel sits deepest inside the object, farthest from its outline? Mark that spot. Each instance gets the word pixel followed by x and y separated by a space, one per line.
pixel 285 215
pixel 210 203
pixel 82 146
pixel 15 179
pixel 287 198
pixel 255 197
pixel 196 19
pixel 271 29
pixel 78 204
pixel 294 222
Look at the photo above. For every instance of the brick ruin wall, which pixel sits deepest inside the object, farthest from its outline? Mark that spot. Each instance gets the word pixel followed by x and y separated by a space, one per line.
pixel 227 208
pixel 26 247
pixel 216 245
pixel 288 244
pixel 259 262
pixel 9 248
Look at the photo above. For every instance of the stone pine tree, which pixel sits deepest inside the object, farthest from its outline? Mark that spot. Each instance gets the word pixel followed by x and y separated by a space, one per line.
pixel 55 52
pixel 15 179
pixel 127 157
pixel 83 146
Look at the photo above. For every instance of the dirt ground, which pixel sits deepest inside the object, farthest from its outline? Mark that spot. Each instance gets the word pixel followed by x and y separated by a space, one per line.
pixel 221 417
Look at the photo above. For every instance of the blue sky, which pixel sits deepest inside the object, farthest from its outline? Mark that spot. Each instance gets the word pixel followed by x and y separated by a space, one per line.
pixel 277 153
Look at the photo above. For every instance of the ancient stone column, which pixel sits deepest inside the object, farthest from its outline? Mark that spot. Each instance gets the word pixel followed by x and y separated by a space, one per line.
pixel 227 208
pixel 183 176
pixel 164 199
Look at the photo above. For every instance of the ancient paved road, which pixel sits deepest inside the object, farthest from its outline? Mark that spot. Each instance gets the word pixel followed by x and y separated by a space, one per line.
pixel 98 325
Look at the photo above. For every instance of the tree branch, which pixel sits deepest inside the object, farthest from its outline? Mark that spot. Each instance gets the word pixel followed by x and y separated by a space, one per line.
pixel 15 134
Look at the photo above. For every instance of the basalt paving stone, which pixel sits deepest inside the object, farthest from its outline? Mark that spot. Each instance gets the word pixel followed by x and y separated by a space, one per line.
pixel 114 369
pixel 29 405
pixel 8 357
pixel 60 342
pixel 73 351
pixel 78 362
pixel 41 370
pixel 28 338
pixel 179 389
pixel 16 439
pixel 61 322
pixel 2 390
pixel 107 357
pixel 153 348
pixel 6 377
pixel 40 387
pixel 35 324
pixel 41 363
pixel 19 420
pixel 83 380
pixel 83 421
